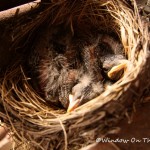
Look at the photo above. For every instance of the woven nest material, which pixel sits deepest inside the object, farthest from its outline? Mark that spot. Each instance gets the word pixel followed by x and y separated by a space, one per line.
pixel 38 126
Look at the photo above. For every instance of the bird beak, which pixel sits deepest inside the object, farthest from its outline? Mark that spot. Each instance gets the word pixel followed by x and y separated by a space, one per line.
pixel 116 72
pixel 73 103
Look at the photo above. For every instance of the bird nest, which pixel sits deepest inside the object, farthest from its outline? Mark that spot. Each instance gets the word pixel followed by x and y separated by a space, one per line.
pixel 33 122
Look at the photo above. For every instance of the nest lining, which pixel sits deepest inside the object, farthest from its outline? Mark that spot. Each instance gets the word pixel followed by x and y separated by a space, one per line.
pixel 39 126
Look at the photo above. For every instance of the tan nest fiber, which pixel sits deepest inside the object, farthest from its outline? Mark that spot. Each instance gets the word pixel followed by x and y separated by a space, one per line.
pixel 37 126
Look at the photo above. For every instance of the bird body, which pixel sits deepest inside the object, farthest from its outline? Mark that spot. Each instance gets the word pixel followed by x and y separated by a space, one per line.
pixel 64 64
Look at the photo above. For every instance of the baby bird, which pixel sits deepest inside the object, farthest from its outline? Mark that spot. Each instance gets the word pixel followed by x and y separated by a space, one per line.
pixel 89 84
pixel 103 54
pixel 85 90
pixel 114 66
pixel 113 59
pixel 67 71
pixel 51 64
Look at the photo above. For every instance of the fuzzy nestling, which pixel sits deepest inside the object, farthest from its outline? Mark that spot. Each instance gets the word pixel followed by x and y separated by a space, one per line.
pixel 69 72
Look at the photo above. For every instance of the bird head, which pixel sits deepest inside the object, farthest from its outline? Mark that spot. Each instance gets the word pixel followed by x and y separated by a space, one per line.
pixel 85 90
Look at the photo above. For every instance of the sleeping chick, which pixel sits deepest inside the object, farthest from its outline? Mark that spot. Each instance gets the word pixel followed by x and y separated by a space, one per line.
pixel 112 57
pixel 114 66
pixel 50 62
pixel 103 53
pixel 85 90
pixel 89 84
pixel 64 64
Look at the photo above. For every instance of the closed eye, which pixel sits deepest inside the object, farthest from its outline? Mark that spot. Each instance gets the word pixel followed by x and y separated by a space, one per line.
pixel 59 48
pixel 105 49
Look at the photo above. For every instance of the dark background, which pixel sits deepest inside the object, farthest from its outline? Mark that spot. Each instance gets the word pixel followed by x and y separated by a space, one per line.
pixel 6 4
